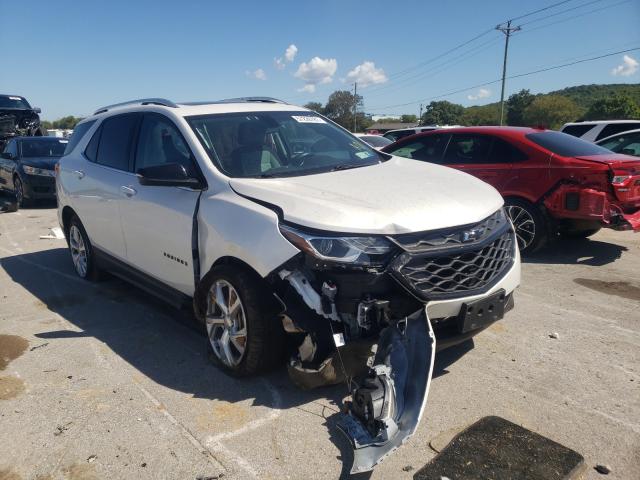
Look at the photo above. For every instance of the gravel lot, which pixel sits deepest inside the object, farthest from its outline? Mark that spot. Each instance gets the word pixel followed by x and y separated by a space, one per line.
pixel 103 381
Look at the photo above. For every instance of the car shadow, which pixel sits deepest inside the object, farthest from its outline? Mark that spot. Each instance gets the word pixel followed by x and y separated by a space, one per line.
pixel 165 344
pixel 581 251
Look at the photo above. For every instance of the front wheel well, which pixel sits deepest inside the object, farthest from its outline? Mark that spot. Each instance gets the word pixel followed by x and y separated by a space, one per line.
pixel 199 297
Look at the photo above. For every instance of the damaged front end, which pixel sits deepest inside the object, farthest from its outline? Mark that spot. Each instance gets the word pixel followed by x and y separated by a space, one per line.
pixel 357 308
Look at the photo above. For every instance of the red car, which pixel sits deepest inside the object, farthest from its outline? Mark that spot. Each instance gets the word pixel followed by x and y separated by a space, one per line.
pixel 552 183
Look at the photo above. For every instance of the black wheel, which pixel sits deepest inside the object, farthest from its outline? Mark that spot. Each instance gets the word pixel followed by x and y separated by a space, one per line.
pixel 82 256
pixel 245 335
pixel 18 190
pixel 530 225
pixel 579 233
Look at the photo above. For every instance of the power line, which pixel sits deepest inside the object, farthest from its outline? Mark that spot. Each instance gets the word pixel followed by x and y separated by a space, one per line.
pixel 549 7
pixel 509 77
pixel 560 12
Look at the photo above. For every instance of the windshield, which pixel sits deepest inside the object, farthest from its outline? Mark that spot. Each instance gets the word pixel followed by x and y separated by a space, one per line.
pixel 43 148
pixel 376 140
pixel 565 145
pixel 279 144
pixel 7 101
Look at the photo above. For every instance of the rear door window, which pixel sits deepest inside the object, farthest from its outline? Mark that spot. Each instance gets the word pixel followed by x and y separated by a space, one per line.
pixel 468 149
pixel 115 141
pixel 504 152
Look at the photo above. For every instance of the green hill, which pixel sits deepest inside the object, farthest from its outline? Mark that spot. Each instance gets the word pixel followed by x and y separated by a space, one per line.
pixel 585 95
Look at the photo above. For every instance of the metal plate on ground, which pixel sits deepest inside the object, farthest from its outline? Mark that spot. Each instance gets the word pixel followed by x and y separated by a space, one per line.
pixel 495 448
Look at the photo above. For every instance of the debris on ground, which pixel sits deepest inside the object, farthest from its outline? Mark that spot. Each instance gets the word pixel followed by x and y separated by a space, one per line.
pixel 603 469
pixel 60 429
pixel 39 346
pixel 210 477
pixel 554 335
pixel 91 458
pixel 407 468
pixel 56 234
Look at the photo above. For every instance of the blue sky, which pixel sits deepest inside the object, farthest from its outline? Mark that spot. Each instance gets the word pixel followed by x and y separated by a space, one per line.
pixel 69 57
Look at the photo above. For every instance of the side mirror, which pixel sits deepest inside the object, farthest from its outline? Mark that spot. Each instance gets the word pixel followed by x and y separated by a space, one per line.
pixel 167 175
pixel 7 155
pixel 37 110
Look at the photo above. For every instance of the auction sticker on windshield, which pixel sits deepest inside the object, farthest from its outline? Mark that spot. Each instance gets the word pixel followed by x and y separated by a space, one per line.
pixel 307 119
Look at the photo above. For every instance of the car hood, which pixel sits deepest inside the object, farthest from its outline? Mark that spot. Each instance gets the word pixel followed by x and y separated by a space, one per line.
pixel 48 163
pixel 396 196
pixel 613 160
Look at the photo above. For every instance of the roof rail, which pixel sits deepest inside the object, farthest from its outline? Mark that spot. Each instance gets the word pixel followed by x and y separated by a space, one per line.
pixel 239 100
pixel 141 101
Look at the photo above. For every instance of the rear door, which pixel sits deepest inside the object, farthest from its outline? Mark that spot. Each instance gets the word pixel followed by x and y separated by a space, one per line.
pixel 97 182
pixel 482 156
pixel 157 221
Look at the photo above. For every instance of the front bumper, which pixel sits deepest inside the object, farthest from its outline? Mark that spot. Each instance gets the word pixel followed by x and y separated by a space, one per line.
pixel 39 187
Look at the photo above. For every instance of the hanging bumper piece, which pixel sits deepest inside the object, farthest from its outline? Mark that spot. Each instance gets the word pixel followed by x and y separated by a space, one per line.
pixel 388 402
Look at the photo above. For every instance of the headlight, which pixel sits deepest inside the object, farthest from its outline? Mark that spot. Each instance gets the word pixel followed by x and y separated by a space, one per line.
pixel 351 250
pixel 38 171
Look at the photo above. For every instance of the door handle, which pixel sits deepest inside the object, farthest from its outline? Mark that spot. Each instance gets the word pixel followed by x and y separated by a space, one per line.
pixel 128 191
pixel 79 173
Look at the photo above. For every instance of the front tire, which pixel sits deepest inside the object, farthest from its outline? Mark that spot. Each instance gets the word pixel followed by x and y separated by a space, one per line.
pixel 82 254
pixel 529 224
pixel 18 190
pixel 245 336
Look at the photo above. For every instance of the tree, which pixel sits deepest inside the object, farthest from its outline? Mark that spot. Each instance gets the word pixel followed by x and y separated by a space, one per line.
pixel 442 113
pixel 481 115
pixel 339 108
pixel 315 106
pixel 617 107
pixel 516 105
pixel 551 111
pixel 409 119
pixel 64 123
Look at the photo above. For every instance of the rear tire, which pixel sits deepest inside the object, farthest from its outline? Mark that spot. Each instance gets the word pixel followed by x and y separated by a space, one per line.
pixel 82 253
pixel 530 224
pixel 249 339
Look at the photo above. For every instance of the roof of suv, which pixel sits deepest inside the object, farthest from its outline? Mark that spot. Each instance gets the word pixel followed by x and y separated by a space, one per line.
pixel 244 104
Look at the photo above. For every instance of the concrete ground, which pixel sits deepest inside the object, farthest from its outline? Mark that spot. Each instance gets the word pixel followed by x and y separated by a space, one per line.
pixel 103 381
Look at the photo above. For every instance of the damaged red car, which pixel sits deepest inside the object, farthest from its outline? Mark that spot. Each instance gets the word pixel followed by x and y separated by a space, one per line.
pixel 553 184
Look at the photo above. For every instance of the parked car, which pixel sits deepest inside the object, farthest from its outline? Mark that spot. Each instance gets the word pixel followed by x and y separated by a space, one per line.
pixel 271 220
pixel 375 141
pixel 597 130
pixel 395 135
pixel 551 182
pixel 627 143
pixel 18 118
pixel 27 167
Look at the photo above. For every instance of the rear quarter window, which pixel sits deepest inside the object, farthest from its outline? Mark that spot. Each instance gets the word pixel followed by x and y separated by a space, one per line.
pixel 77 135
pixel 614 128
pixel 565 145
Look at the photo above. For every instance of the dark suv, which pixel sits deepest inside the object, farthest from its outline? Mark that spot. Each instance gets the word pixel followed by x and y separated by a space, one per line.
pixel 18 118
pixel 27 167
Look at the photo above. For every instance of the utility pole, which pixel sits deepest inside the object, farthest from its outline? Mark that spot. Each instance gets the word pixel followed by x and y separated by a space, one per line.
pixel 507 30
pixel 420 117
pixel 355 107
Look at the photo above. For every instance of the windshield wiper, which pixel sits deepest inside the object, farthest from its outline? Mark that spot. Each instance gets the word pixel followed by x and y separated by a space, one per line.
pixel 348 166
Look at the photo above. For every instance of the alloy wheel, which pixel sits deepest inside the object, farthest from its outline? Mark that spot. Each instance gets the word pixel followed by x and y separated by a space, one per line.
pixel 78 251
pixel 226 323
pixel 524 225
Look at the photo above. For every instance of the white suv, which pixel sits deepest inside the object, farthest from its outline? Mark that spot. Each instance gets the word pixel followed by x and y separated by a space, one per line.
pixel 277 224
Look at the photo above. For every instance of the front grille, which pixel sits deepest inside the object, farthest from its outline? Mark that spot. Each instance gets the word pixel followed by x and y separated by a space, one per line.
pixel 456 272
